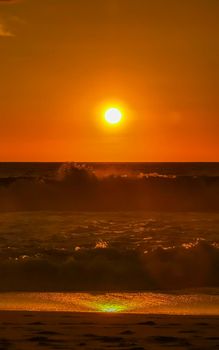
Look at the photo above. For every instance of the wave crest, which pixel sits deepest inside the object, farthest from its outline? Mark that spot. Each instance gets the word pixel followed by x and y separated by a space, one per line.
pixel 111 269
pixel 79 187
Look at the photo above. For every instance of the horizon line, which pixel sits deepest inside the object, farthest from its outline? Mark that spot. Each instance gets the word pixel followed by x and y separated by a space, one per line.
pixel 110 162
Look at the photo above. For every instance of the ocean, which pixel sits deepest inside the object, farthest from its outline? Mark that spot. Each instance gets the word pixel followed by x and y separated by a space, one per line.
pixel 109 186
pixel 129 234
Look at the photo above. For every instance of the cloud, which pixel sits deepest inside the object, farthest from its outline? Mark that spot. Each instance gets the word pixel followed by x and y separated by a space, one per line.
pixel 4 31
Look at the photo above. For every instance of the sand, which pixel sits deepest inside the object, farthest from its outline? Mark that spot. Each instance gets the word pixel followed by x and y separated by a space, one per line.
pixel 37 330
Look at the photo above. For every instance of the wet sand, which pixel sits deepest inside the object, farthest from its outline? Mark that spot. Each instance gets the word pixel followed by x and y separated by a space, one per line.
pixel 68 331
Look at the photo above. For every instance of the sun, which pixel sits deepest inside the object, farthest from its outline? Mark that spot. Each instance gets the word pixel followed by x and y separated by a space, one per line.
pixel 113 116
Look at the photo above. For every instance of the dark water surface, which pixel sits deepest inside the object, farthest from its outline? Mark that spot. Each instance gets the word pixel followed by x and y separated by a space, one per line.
pixel 109 186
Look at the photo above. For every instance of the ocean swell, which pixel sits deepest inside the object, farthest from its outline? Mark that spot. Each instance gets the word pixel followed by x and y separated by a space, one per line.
pixel 80 188
pixel 109 269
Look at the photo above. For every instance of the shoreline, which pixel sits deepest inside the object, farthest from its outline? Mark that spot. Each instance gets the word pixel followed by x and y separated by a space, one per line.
pixel 147 303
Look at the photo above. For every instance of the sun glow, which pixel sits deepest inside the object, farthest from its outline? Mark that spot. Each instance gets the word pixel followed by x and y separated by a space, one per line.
pixel 110 308
pixel 113 116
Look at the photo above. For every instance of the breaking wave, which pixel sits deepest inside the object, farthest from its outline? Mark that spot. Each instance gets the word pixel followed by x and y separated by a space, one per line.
pixel 78 187
pixel 108 269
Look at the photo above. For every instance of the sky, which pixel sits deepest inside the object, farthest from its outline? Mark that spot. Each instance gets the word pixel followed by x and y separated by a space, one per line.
pixel 64 62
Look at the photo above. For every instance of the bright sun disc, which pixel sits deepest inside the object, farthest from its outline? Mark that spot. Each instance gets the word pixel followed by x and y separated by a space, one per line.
pixel 113 116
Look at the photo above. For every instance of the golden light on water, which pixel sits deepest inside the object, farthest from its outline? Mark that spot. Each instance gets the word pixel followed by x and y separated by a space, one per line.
pixel 110 308
pixel 146 303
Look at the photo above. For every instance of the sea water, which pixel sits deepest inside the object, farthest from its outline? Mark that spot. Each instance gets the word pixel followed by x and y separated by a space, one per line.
pixel 110 237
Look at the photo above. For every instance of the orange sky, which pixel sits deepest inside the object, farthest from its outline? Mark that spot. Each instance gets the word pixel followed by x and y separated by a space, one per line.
pixel 62 62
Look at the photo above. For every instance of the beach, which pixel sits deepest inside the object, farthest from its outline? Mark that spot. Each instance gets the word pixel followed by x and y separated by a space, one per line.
pixel 58 330
pixel 109 175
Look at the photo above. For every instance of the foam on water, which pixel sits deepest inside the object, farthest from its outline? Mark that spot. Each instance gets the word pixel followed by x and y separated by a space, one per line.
pixel 63 251
pixel 109 187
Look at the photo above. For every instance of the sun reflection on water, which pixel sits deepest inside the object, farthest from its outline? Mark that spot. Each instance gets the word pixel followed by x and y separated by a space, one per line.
pixel 147 303
pixel 110 308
